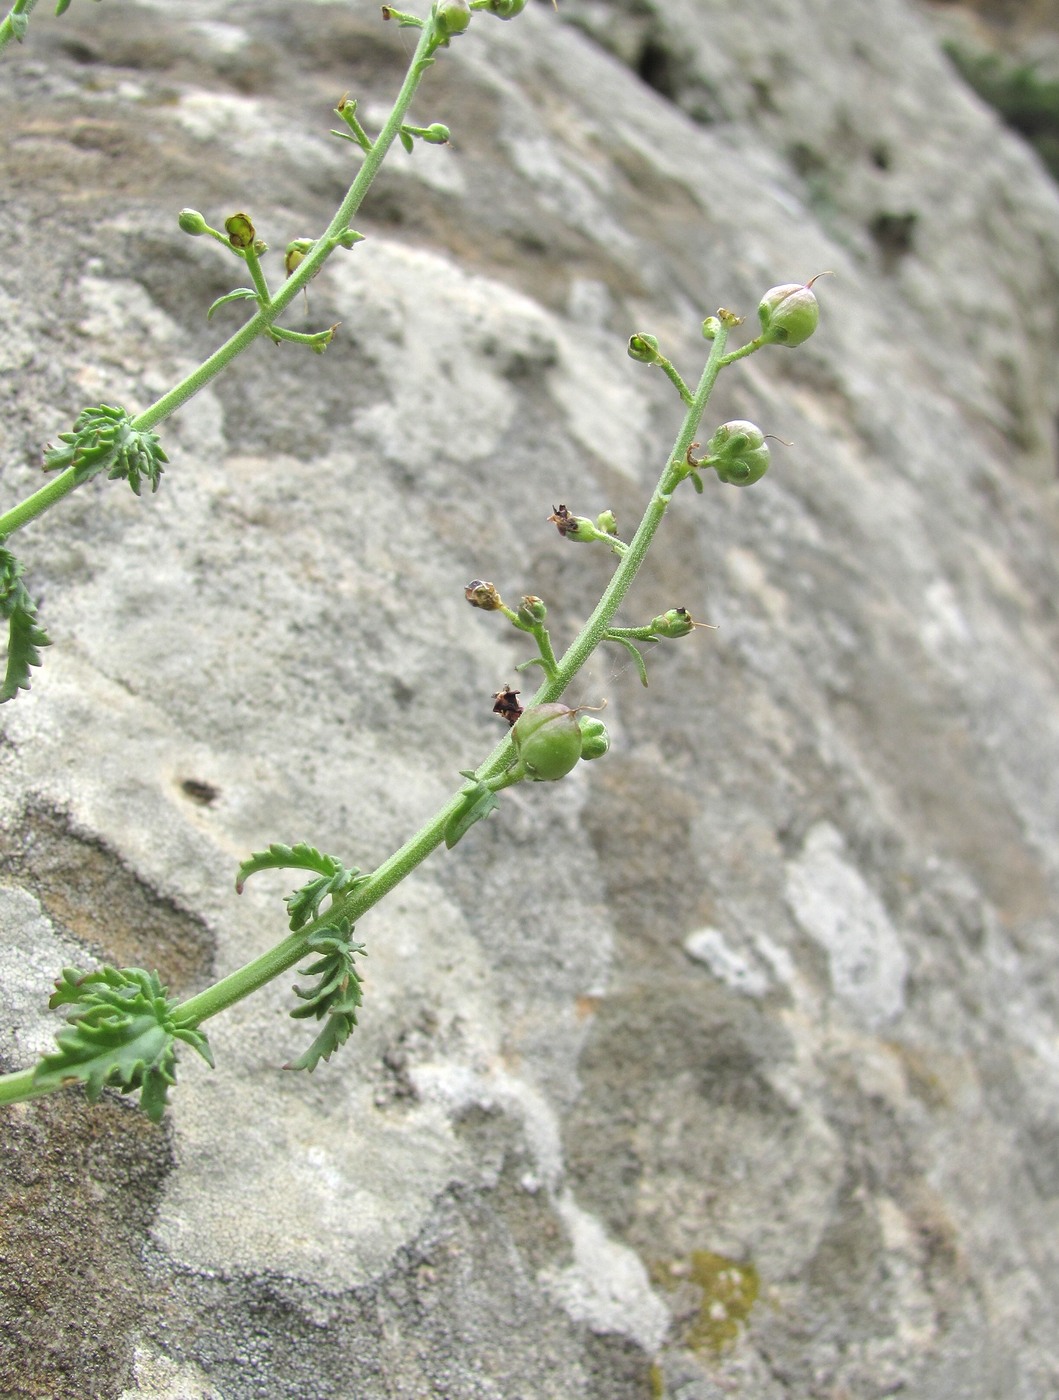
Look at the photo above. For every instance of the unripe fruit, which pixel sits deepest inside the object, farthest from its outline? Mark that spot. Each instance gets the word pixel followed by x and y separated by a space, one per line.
pixel 788 314
pixel 453 17
pixel 738 453
pixel 676 622
pixel 548 741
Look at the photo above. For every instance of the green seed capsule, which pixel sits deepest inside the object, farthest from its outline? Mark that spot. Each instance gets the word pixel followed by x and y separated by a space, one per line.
pixel 788 314
pixel 738 452
pixel 548 741
pixel 676 622
pixel 452 17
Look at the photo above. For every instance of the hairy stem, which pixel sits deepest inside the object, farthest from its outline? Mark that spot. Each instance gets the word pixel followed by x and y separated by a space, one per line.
pixel 284 955
pixel 18 1086
pixel 258 324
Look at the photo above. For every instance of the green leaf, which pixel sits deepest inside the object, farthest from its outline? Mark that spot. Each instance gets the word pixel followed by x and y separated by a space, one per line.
pixel 104 439
pixel 280 857
pixel 406 140
pixel 240 294
pixel 120 1032
pixel 478 802
pixel 634 652
pixel 336 1031
pixel 337 994
pixel 304 904
pixel 24 636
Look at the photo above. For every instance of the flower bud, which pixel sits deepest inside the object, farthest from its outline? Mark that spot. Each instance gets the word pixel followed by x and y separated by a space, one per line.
pixel 483 595
pixel 191 221
pixel 452 17
pixel 296 251
pixel 506 9
pixel 547 740
pixel 532 611
pixel 240 231
pixel 436 134
pixel 738 453
pixel 644 348
pixel 788 314
pixel 607 521
pixel 595 741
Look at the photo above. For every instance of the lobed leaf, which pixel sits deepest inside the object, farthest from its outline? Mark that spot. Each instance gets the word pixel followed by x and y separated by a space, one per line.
pixel 304 904
pixel 25 636
pixel 104 439
pixel 119 1033
pixel 337 994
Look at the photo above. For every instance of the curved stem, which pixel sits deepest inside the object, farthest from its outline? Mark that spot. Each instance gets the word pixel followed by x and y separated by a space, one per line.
pixel 19 1085
pixel 261 322
pixel 403 861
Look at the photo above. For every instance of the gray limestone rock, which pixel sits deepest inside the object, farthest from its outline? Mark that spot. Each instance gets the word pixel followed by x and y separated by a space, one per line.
pixel 725 1067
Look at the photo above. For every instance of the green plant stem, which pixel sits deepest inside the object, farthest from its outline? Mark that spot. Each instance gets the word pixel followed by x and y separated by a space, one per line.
pixel 284 955
pixel 261 322
pixel 279 959
pixel 41 500
pixel 19 1086
pixel 253 262
pixel 7 29
pixel 675 378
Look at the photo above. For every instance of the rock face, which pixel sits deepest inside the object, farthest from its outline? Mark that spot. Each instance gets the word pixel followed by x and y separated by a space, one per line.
pixel 726 1066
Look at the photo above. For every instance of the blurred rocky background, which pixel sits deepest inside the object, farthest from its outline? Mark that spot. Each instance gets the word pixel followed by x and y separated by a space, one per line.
pixel 728 1067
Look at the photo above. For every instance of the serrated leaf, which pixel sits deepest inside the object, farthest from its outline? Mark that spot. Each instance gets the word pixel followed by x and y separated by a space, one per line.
pixel 120 1033
pixel 304 904
pixel 105 439
pixel 25 636
pixel 478 802
pixel 73 986
pixel 337 994
pixel 279 857
pixel 240 294
pixel 335 1033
